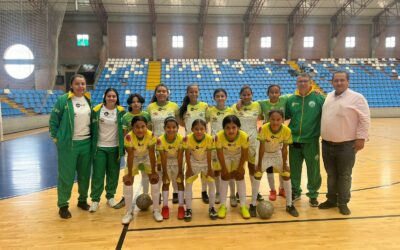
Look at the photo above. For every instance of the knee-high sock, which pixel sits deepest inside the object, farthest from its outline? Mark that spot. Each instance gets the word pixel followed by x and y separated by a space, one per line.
pixel 145 182
pixel 211 189
pixel 218 184
pixel 232 187
pixel 155 196
pixel 180 197
pixel 287 185
pixel 128 195
pixel 241 186
pixel 280 182
pixel 223 192
pixel 203 185
pixel 271 181
pixel 165 198
pixel 174 186
pixel 255 186
pixel 188 195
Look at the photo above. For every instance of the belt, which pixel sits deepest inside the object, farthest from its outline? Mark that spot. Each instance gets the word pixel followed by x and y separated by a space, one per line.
pixel 337 143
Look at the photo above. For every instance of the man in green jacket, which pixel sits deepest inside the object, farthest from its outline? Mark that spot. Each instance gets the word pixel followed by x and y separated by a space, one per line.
pixel 304 110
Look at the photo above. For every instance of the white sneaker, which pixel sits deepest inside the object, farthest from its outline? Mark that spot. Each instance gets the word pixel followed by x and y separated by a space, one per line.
pixel 93 208
pixel 157 215
pixel 233 201
pixel 127 218
pixel 112 202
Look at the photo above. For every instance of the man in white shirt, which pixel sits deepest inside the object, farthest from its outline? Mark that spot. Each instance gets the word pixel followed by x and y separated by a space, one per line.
pixel 344 128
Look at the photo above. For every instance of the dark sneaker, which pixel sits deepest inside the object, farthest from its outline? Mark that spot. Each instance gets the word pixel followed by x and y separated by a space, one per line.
pixel 295 197
pixel 188 215
pixel 326 205
pixel 259 197
pixel 83 205
pixel 64 212
pixel 313 202
pixel 253 211
pixel 292 211
pixel 204 197
pixel 344 209
pixel 212 213
pixel 120 204
pixel 175 199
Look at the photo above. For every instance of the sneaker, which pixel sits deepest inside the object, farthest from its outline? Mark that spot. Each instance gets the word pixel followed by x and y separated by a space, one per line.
pixel 260 198
pixel 253 211
pixel 165 212
pixel 326 205
pixel 181 213
pixel 272 195
pixel 282 192
pixel 120 204
pixel 157 215
pixel 93 208
pixel 295 197
pixel 222 212
pixel 175 198
pixel 292 211
pixel 204 197
pixel 245 212
pixel 217 198
pixel 64 212
pixel 233 201
pixel 344 209
pixel 83 205
pixel 112 202
pixel 212 213
pixel 313 202
pixel 188 215
pixel 127 218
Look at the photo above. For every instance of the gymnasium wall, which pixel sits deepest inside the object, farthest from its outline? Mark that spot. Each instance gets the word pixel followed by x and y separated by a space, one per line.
pixel 381 51
pixel 277 32
pixel 321 34
pixel 362 33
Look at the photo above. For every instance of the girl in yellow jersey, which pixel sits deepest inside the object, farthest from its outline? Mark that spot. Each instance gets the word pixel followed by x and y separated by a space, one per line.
pixel 169 145
pixel 215 115
pixel 140 146
pixel 249 114
pixel 191 110
pixel 232 148
pixel 198 146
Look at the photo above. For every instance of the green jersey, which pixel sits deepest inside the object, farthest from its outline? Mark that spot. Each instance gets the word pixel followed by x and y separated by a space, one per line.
pixel 127 119
pixel 267 106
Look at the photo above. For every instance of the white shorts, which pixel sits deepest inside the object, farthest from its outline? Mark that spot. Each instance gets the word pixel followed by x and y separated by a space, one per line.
pixel 232 162
pixel 140 163
pixel 272 160
pixel 198 168
pixel 214 161
pixel 253 150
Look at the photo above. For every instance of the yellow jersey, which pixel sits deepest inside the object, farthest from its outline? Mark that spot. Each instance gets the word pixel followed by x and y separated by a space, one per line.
pixel 216 116
pixel 273 141
pixel 232 148
pixel 198 149
pixel 248 116
pixel 140 146
pixel 194 112
pixel 159 113
pixel 171 148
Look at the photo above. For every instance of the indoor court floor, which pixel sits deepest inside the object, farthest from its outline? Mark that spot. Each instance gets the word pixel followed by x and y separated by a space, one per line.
pixel 29 215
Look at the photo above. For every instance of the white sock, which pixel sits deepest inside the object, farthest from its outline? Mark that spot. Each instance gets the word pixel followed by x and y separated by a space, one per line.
pixel 287 185
pixel 232 187
pixel 223 192
pixel 145 182
pixel 203 184
pixel 280 182
pixel 188 195
pixel 271 181
pixel 155 196
pixel 174 186
pixel 165 198
pixel 255 186
pixel 218 184
pixel 180 197
pixel 241 186
pixel 128 195
pixel 211 189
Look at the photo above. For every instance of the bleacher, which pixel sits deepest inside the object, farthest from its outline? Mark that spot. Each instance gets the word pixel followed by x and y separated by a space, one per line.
pixel 8 111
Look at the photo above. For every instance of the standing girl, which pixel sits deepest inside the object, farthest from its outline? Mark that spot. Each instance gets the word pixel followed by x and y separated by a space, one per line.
pixel 198 146
pixel 70 130
pixel 232 148
pixel 274 138
pixel 191 110
pixel 140 146
pixel 169 145
pixel 108 145
pixel 215 115
pixel 249 115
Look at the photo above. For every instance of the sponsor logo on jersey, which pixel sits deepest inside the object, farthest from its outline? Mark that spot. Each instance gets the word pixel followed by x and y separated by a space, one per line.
pixel 311 104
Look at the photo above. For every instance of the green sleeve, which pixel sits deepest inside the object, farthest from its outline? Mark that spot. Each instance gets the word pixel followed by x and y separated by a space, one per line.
pixel 288 114
pixel 147 116
pixel 55 118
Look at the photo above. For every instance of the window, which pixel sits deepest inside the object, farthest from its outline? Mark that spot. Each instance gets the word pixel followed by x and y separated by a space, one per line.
pixel 222 42
pixel 131 41
pixel 177 41
pixel 266 42
pixel 308 42
pixel 350 42
pixel 18 61
pixel 82 40
pixel 390 42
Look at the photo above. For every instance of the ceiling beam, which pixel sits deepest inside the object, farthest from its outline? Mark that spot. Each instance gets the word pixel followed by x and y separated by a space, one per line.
pixel 101 14
pixel 252 12
pixel 153 16
pixel 300 13
pixel 349 10
pixel 381 21
pixel 203 15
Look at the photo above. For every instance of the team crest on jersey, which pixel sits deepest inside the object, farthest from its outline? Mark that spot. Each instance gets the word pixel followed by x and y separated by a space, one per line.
pixel 197 147
pixel 170 147
pixel 193 109
pixel 106 113
pixel 78 105
pixel 311 104
pixel 214 119
pixel 219 113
